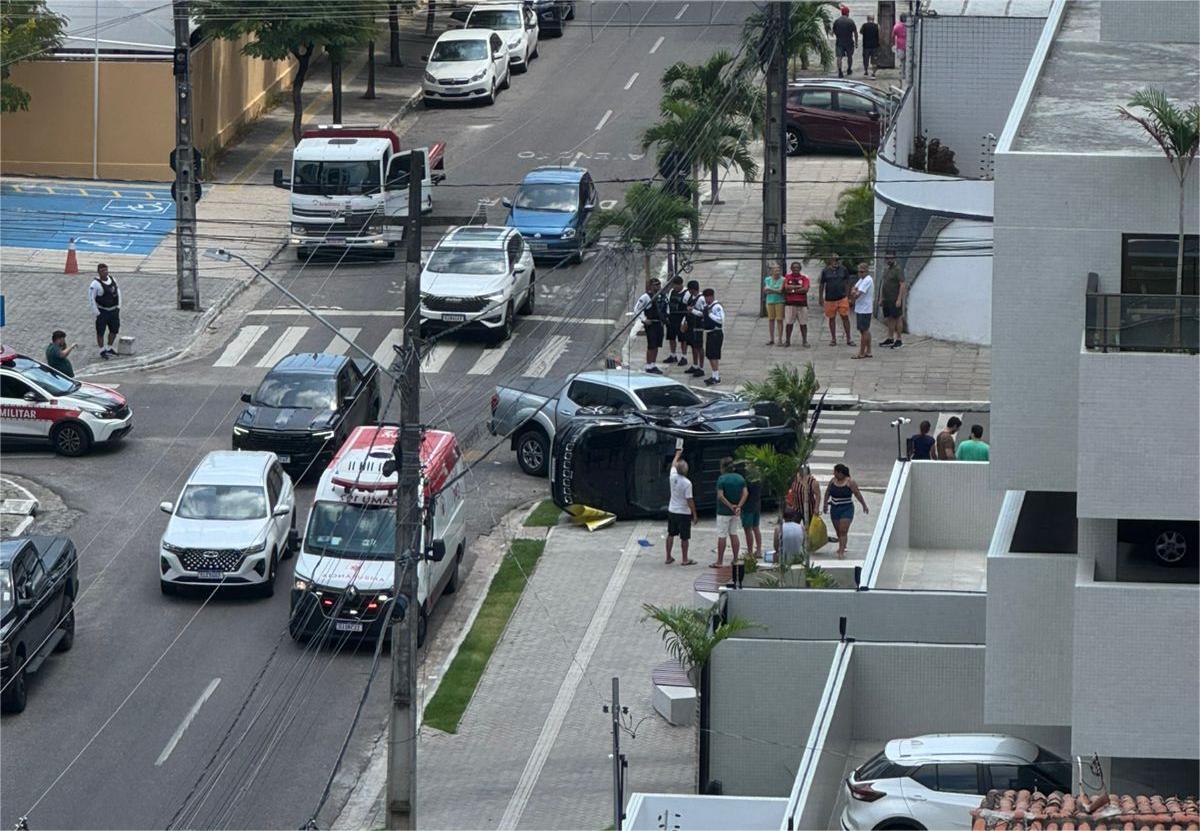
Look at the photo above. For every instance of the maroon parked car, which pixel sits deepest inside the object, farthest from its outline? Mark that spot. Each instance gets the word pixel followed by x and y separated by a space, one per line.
pixel 835 113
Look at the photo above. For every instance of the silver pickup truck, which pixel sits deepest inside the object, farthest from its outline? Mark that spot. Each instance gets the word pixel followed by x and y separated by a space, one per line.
pixel 534 411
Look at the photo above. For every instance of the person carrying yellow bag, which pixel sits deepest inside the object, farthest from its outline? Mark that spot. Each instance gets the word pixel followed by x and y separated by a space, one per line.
pixel 804 499
pixel 818 534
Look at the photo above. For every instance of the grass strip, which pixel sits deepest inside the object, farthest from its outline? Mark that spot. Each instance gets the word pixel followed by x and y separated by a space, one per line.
pixel 545 515
pixel 445 710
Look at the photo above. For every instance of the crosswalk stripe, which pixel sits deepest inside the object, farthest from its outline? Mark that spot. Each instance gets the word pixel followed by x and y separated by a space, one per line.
pixel 284 346
pixel 242 343
pixel 384 354
pixel 825 440
pixel 337 346
pixel 835 421
pixel 551 351
pixel 828 454
pixel 436 358
pixel 820 431
pixel 490 359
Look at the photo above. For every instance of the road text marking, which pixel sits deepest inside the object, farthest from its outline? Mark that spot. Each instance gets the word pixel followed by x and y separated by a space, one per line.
pixel 237 348
pixel 187 720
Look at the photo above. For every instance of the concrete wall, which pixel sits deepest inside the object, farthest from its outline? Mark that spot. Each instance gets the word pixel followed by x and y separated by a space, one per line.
pixel 763 697
pixel 1057 218
pixel 834 737
pixel 231 89
pixel 1150 21
pixel 703 813
pixel 952 299
pixel 1137 415
pixel 952 505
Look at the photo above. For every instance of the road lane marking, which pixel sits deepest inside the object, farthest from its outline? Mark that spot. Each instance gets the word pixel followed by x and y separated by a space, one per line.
pixel 682 11
pixel 293 310
pixel 632 78
pixel 828 454
pixel 604 119
pixel 823 431
pixel 384 355
pixel 436 358
pixel 574 321
pixel 657 44
pixel 825 440
pixel 187 720
pixel 490 359
pixel 242 343
pixel 284 346
pixel 337 346
pixel 552 349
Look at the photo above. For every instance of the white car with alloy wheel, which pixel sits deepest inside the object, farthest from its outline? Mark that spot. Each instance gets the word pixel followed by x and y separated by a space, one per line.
pixel 466 65
pixel 234 521
pixel 517 26
pixel 478 277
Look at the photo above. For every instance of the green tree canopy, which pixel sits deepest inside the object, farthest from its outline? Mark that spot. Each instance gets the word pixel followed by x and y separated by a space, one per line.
pixel 27 30
pixel 808 32
pixel 648 217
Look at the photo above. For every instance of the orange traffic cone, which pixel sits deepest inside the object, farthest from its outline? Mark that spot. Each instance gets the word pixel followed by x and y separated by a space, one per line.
pixel 72 266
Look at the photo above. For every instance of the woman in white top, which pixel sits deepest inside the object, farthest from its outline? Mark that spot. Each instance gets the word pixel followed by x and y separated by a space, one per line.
pixel 863 297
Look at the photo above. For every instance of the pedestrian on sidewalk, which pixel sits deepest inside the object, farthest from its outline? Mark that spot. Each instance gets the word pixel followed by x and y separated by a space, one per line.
pixel 752 517
pixel 648 310
pixel 804 495
pixel 892 294
pixel 833 288
pixel 731 496
pixel 714 335
pixel 899 42
pixel 863 295
pixel 57 352
pixel 845 34
pixel 839 504
pixel 789 538
pixel 974 449
pixel 921 444
pixel 773 294
pixel 695 328
pixel 795 304
pixel 105 299
pixel 943 449
pixel 676 309
pixel 681 510
pixel 870 45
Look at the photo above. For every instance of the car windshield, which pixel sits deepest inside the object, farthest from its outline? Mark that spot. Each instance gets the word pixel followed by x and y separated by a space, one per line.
pixel 51 380
pixel 335 178
pixel 361 532
pixel 481 261
pixel 229 502
pixel 499 19
pixel 297 390
pixel 6 593
pixel 548 197
pixel 451 51
pixel 676 395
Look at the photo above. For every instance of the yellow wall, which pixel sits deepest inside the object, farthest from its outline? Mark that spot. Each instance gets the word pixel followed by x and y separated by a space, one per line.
pixel 137 112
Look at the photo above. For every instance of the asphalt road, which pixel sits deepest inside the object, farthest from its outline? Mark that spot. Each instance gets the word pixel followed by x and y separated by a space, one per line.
pixel 184 712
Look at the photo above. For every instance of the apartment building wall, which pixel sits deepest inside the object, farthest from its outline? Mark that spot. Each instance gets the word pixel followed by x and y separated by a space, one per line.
pixel 1150 21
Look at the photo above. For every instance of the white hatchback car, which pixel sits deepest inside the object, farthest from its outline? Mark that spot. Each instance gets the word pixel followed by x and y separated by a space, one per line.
pixel 517 26
pixel 466 65
pixel 234 521
pixel 479 277
pixel 934 781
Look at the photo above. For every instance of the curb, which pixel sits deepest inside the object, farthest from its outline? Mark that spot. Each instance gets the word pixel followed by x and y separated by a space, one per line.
pixel 928 404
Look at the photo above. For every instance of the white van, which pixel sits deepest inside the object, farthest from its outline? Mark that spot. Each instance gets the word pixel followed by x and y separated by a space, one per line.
pixel 344 572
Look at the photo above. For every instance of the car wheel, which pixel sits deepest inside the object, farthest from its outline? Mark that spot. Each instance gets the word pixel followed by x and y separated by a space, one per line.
pixel 900 825
pixel 523 67
pixel 166 588
pixel 68 628
pixel 1171 545
pixel 533 452
pixel 452 583
pixel 577 257
pixel 293 539
pixel 530 298
pixel 296 628
pixel 428 102
pixel 15 694
pixel 534 53
pixel 795 141
pixel 491 96
pixel 302 254
pixel 506 329
pixel 267 589
pixel 507 82
pixel 71 439
pixel 422 627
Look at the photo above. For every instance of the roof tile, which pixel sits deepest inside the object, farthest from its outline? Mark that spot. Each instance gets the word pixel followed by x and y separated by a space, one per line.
pixel 1035 811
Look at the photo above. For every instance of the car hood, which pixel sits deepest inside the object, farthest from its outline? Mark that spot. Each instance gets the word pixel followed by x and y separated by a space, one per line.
pixel 448 284
pixel 338 573
pixel 543 222
pixel 286 418
pixel 211 533
pixel 94 395
pixel 456 69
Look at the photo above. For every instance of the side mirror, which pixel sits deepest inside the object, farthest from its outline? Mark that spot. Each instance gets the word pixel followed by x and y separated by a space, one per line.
pixel 32 396
pixel 279 181
pixel 24 601
pixel 245 398
pixel 516 271
pixel 166 507
pixel 437 551
pixel 348 400
pixel 281 510
pixel 590 206
pixel 873 115
pixel 506 202
pixel 425 58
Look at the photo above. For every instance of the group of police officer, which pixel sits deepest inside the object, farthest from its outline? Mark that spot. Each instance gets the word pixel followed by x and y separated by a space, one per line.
pixel 689 319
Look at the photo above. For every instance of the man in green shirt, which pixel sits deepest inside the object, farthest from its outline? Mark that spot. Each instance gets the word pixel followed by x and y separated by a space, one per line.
pixel 57 352
pixel 892 294
pixel 974 449
pixel 731 496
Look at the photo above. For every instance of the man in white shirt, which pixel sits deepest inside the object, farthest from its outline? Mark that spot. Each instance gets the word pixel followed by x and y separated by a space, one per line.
pixel 714 335
pixel 681 511
pixel 648 311
pixel 105 300
pixel 863 296
pixel 694 302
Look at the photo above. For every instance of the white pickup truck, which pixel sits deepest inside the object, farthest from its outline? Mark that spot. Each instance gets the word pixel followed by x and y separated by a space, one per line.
pixel 349 188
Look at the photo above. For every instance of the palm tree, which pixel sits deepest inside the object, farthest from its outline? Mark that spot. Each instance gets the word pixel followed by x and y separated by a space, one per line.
pixel 787 388
pixel 1177 132
pixel 648 217
pixel 688 636
pixel 808 33
pixel 851 233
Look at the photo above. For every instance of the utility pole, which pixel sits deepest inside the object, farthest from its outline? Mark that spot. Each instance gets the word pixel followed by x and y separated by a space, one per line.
pixel 402 731
pixel 186 185
pixel 774 237
pixel 618 758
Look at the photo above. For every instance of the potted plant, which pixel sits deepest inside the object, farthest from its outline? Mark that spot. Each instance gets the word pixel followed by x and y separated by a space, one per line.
pixel 690 635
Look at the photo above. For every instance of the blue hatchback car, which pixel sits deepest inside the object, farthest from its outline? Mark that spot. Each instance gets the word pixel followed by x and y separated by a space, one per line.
pixel 551 210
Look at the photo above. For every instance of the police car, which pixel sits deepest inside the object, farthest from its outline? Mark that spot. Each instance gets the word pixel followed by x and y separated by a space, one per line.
pixel 39 404
pixel 343 575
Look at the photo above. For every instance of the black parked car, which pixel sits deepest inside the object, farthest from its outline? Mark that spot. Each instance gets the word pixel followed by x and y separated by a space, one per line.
pixel 306 407
pixel 39 580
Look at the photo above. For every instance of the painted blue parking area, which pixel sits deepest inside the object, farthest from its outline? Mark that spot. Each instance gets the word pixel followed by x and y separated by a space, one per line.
pixel 118 218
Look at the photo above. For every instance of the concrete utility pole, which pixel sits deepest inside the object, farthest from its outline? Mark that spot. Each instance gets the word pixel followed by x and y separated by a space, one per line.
pixel 402 732
pixel 774 237
pixel 618 758
pixel 187 275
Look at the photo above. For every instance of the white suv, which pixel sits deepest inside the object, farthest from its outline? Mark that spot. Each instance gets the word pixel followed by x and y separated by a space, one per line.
pixel 234 521
pixel 517 26
pixel 934 781
pixel 478 277
pixel 466 65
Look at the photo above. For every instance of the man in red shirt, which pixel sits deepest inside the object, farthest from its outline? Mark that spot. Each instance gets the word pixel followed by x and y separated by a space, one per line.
pixel 795 304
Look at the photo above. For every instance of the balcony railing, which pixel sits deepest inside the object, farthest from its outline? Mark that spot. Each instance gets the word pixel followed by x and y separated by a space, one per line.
pixel 1143 323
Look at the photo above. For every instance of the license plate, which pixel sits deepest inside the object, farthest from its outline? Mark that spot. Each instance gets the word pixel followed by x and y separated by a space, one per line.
pixel 211 575
pixel 453 318
pixel 284 459
pixel 537 246
pixel 335 240
pixel 347 626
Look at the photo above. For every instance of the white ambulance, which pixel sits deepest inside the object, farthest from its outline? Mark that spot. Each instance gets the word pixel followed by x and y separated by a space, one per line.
pixel 343 576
